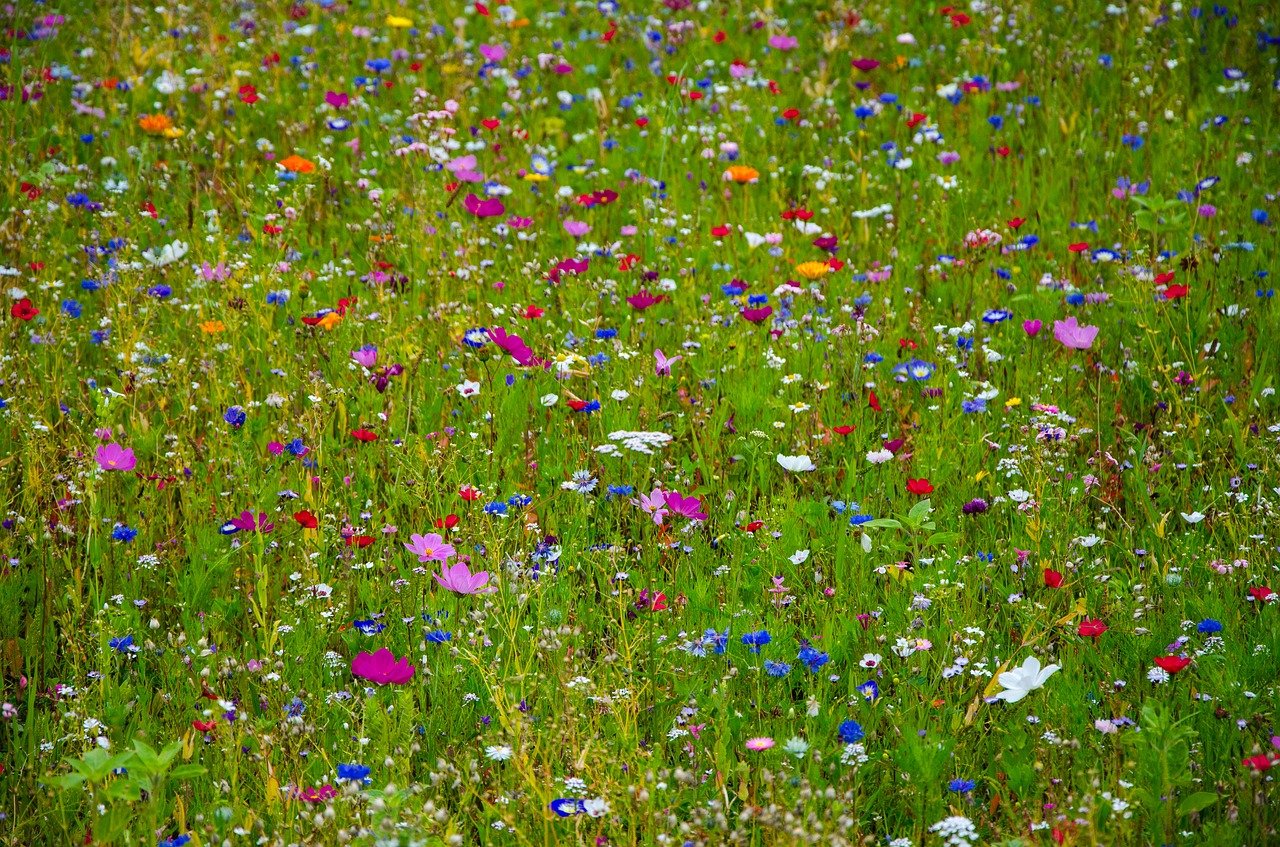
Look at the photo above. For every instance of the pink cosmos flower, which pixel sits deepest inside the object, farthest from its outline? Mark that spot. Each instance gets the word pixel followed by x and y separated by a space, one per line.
pixel 576 228
pixel 511 343
pixel 655 503
pixel 382 668
pixel 686 507
pixel 113 457
pixel 662 364
pixel 1071 334
pixel 460 580
pixel 489 208
pixel 430 548
pixel 366 356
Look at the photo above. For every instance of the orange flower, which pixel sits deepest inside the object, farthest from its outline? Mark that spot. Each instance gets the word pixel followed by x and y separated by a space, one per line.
pixel 155 124
pixel 212 327
pixel 742 174
pixel 298 165
pixel 813 270
pixel 330 320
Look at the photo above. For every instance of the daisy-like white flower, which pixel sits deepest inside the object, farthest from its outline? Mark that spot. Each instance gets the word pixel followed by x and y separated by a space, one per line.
pixel 468 388
pixel 1021 681
pixel 796 464
pixel 498 753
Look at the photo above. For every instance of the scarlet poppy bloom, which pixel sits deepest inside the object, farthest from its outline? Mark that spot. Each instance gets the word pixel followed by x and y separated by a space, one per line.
pixel 23 310
pixel 720 231
pixel 469 493
pixel 359 540
pixel 1015 223
pixel 1078 247
pixel 306 520
pixel 1261 593
pixel 1174 292
pixel 916 119
pixel 296 164
pixel 1172 664
pixel 1164 278
pixel 874 402
pixel 1052 578
pixel 920 486
pixel 1091 628
pixel 204 726
pixel 364 435
pixel 753 526
pixel 448 522
pixel 1258 763
pixel 843 430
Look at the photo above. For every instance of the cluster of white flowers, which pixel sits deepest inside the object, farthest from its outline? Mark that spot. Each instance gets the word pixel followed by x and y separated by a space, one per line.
pixel 957 831
pixel 638 442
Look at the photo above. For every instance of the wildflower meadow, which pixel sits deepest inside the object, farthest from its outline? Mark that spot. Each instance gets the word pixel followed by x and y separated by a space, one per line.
pixel 691 422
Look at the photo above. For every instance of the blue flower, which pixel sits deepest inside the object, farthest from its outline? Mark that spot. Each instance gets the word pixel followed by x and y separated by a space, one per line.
pixel 960 786
pixel 995 316
pixel 235 416
pixel 71 308
pixel 777 668
pixel 869 689
pixel 355 773
pixel 439 636
pixel 369 627
pixel 568 806
pixel 124 533
pixel 122 645
pixel 851 732
pixel 176 841
pixel 1209 626
pixel 756 640
pixel 813 659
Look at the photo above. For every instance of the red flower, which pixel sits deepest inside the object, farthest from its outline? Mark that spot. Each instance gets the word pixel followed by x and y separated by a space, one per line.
pixel 791 114
pixel 1164 278
pixel 1078 247
pixel 448 522
pixel 1172 664
pixel 1091 628
pixel 873 401
pixel 1173 292
pixel 1015 223
pixel 364 435
pixel 920 486
pixel 469 493
pixel 491 124
pixel 532 312
pixel 1258 763
pixel 359 540
pixel 1052 578
pixel 23 310
pixel 1002 152
pixel 753 526
pixel 248 94
pixel 843 430
pixel 916 119
pixel 720 231
pixel 204 726
pixel 1261 593
pixel 306 520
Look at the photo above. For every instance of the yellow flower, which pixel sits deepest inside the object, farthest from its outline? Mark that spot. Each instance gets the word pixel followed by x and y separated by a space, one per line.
pixel 534 177
pixel 212 327
pixel 1013 401
pixel 397 22
pixel 813 270
pixel 330 320
pixel 742 174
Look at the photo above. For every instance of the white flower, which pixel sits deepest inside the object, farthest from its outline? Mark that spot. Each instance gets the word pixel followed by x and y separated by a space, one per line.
pixel 796 747
pixel 550 400
pixel 1193 517
pixel 871 660
pixel 1021 681
pixel 597 807
pixel 796 464
pixel 497 753
pixel 799 557
pixel 167 255
pixel 877 457
pixel 468 388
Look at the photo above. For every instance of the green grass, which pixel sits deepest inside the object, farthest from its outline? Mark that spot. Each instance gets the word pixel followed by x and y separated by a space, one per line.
pixel 565 682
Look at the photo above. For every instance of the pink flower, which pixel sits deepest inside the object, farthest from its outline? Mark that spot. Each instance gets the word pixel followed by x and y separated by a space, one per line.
pixel 576 228
pixel 511 343
pixel 783 42
pixel 655 503
pixel 113 457
pixel 1031 328
pixel 662 364
pixel 490 208
pixel 430 548
pixel 366 356
pixel 493 52
pixel 1071 334
pixel 382 668
pixel 759 744
pixel 460 580
pixel 687 507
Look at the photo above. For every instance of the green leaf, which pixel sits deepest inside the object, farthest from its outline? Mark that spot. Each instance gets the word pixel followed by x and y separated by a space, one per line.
pixel 919 510
pixel 883 523
pixel 186 771
pixel 1197 802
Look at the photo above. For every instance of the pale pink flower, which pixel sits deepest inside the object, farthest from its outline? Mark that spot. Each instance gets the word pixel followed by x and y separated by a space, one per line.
pixel 430 548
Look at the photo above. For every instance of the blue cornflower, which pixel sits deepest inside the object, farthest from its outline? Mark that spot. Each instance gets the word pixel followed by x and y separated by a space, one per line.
pixel 995 316
pixel 495 508
pixel 477 337
pixel 973 407
pixel 439 636
pixel 71 308
pixel 756 640
pixel 355 773
pixel 813 659
pixel 960 786
pixel 869 689
pixel 605 334
pixel 370 626
pixel 1209 626
pixel 851 732
pixel 160 291
pixel 235 416
pixel 124 533
pixel 122 645
pixel 777 668
pixel 295 708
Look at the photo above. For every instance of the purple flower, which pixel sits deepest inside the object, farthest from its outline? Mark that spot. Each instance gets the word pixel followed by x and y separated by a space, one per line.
pixel 113 457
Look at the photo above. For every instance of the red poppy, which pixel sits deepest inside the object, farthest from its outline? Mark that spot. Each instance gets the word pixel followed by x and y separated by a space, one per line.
pixel 873 401
pixel 920 486
pixel 659 603
pixel 1052 578
pixel 204 726
pixel 1258 763
pixel 532 312
pixel 907 344
pixel 1015 223
pixel 1164 278
pixel 610 32
pixel 642 122
pixel 364 435
pixel 249 94
pixel 1261 593
pixel 1078 247
pixel 843 430
pixel 753 526
pixel 448 522
pixel 1091 628
pixel 23 310
pixel 719 37
pixel 835 264
pixel 1002 152
pixel 359 540
pixel 306 520
pixel 1174 292
pixel 915 119
pixel 1172 664
pixel 469 493
pixel 791 114
pixel 720 231
pixel 491 123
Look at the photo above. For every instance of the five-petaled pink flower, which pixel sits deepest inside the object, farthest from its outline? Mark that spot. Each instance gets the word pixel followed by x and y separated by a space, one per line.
pixel 1070 333
pixel 430 548
pixel 382 668
pixel 460 580
pixel 113 457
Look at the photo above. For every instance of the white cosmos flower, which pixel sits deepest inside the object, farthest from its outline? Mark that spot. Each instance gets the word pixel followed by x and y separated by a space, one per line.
pixel 1021 681
pixel 468 388
pixel 877 457
pixel 166 255
pixel 1193 517
pixel 796 464
pixel 550 400
pixel 799 557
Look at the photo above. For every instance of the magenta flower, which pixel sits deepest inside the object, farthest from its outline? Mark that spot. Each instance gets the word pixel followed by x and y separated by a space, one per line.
pixel 382 668
pixel 1031 328
pixel 430 548
pixel 1071 334
pixel 247 523
pixel 644 300
pixel 662 362
pixel 113 457
pixel 755 316
pixel 490 208
pixel 685 507
pixel 460 580
pixel 366 356
pixel 513 344
pixel 576 228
